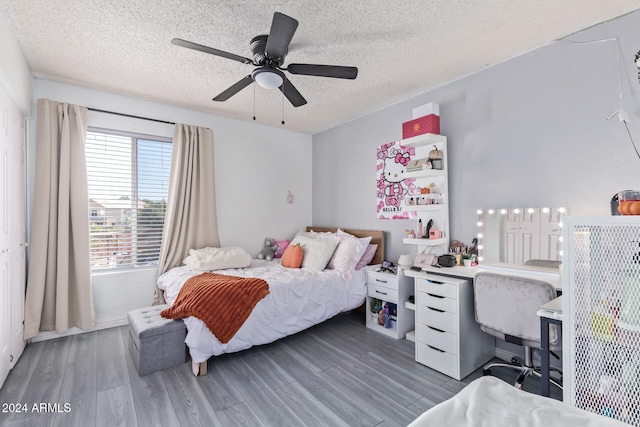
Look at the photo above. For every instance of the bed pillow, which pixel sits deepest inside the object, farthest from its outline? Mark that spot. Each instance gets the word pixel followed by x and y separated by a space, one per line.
pixel 363 240
pixel 293 256
pixel 282 245
pixel 369 253
pixel 346 256
pixel 207 259
pixel 317 252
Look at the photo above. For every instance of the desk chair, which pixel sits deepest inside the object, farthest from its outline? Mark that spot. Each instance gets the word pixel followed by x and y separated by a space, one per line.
pixel 506 307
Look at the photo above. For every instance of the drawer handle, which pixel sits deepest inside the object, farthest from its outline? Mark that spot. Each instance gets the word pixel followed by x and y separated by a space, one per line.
pixel 434 348
pixel 434 295
pixel 435 281
pixel 381 281
pixel 435 309
pixel 378 292
pixel 435 329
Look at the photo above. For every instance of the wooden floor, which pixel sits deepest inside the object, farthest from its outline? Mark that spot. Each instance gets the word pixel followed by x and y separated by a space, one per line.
pixel 335 374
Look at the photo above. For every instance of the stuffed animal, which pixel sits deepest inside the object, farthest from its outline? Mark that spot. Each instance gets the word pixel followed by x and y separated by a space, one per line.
pixel 269 249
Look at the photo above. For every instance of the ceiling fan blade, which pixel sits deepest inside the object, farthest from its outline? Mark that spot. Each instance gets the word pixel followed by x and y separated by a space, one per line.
pixel 210 50
pixel 292 94
pixel 235 88
pixel 335 71
pixel 282 29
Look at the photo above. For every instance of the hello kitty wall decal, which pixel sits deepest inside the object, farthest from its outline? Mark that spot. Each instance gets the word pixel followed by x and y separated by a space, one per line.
pixel 392 186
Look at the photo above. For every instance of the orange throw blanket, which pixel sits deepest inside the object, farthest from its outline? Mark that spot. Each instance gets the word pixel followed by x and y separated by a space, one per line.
pixel 222 302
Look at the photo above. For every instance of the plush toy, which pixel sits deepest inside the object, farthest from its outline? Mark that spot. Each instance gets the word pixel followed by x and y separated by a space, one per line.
pixel 269 249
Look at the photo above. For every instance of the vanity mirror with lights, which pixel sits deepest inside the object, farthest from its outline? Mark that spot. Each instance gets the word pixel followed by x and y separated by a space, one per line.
pixel 520 237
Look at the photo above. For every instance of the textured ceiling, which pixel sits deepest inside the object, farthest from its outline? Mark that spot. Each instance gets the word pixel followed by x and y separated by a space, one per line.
pixel 401 49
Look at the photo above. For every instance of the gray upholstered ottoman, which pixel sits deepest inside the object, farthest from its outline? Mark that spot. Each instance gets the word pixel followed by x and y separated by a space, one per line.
pixel 155 343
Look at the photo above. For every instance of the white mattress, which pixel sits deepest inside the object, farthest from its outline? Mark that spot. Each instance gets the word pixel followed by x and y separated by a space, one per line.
pixel 490 402
pixel 297 299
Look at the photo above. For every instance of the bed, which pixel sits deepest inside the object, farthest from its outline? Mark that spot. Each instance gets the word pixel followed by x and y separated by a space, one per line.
pixel 297 299
pixel 490 402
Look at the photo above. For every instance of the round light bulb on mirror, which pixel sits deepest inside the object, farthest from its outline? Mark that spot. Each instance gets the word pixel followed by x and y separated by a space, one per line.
pixel 516 211
pixel 479 211
pixel 480 235
pixel 480 224
pixel 560 239
pixel 491 211
pixel 503 211
pixel 480 247
pixel 545 210
pixel 562 210
pixel 480 258
pixel 560 253
pixel 531 210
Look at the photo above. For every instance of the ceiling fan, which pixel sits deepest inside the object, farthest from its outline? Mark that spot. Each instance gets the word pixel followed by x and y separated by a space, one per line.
pixel 269 52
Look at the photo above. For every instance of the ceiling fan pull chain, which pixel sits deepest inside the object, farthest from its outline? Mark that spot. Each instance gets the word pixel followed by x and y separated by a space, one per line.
pixel 254 102
pixel 283 83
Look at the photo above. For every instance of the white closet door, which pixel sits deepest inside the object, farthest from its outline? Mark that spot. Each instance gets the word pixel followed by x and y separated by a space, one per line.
pixel 5 243
pixel 12 233
pixel 17 231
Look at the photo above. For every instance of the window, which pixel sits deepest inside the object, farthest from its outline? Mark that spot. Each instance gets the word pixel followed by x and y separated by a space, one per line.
pixel 128 177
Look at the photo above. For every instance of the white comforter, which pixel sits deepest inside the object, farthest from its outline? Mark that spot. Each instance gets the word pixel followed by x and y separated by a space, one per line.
pixel 298 299
pixel 490 402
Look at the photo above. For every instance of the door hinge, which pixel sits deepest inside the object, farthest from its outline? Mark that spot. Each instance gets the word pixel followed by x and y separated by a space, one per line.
pixel 11 358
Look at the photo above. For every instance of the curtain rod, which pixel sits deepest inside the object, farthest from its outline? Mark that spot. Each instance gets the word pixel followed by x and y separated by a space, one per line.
pixel 129 115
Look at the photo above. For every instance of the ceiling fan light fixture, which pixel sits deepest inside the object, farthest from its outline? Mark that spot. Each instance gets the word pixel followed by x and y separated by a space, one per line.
pixel 268 78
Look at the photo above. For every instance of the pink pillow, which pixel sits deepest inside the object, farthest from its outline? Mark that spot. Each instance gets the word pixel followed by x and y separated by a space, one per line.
pixel 369 253
pixel 282 245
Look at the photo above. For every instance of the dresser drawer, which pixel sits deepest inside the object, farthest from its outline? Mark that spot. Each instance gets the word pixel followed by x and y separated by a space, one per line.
pixel 437 301
pixel 437 359
pixel 380 292
pixel 437 338
pixel 436 285
pixel 382 279
pixel 437 318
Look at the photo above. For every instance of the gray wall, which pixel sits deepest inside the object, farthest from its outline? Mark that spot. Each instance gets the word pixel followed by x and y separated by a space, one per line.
pixel 529 132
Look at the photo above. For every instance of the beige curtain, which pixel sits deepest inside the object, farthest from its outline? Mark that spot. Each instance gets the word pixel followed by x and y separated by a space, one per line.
pixel 190 221
pixel 59 285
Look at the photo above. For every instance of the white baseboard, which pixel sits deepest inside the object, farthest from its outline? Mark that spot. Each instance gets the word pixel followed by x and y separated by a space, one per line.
pixel 49 335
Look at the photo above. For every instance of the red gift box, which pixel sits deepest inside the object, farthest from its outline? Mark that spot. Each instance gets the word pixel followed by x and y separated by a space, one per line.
pixel 421 125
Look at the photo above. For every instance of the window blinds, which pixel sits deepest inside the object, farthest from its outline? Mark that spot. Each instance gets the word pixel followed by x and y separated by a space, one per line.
pixel 128 180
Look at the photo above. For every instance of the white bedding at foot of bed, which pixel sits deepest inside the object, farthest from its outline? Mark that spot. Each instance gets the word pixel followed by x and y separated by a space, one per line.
pixel 491 402
pixel 298 299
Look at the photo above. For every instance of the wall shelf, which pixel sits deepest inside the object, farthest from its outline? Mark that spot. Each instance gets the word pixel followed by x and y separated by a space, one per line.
pixel 424 208
pixel 425 242
pixel 424 173
pixel 421 140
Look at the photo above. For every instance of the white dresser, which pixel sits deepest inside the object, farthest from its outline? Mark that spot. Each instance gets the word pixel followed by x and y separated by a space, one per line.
pixel 448 339
pixel 394 289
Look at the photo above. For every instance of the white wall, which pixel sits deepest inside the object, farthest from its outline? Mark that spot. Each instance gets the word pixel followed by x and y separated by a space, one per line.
pixel 529 132
pixel 255 167
pixel 15 76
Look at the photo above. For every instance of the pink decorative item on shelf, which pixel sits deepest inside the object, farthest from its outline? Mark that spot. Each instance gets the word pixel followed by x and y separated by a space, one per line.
pixel 426 119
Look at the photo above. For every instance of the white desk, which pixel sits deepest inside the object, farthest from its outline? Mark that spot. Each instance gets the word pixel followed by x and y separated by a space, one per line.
pixel 470 273
pixel 468 330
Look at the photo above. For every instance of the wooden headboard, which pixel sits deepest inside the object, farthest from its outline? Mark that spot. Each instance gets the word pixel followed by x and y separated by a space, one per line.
pixel 377 238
